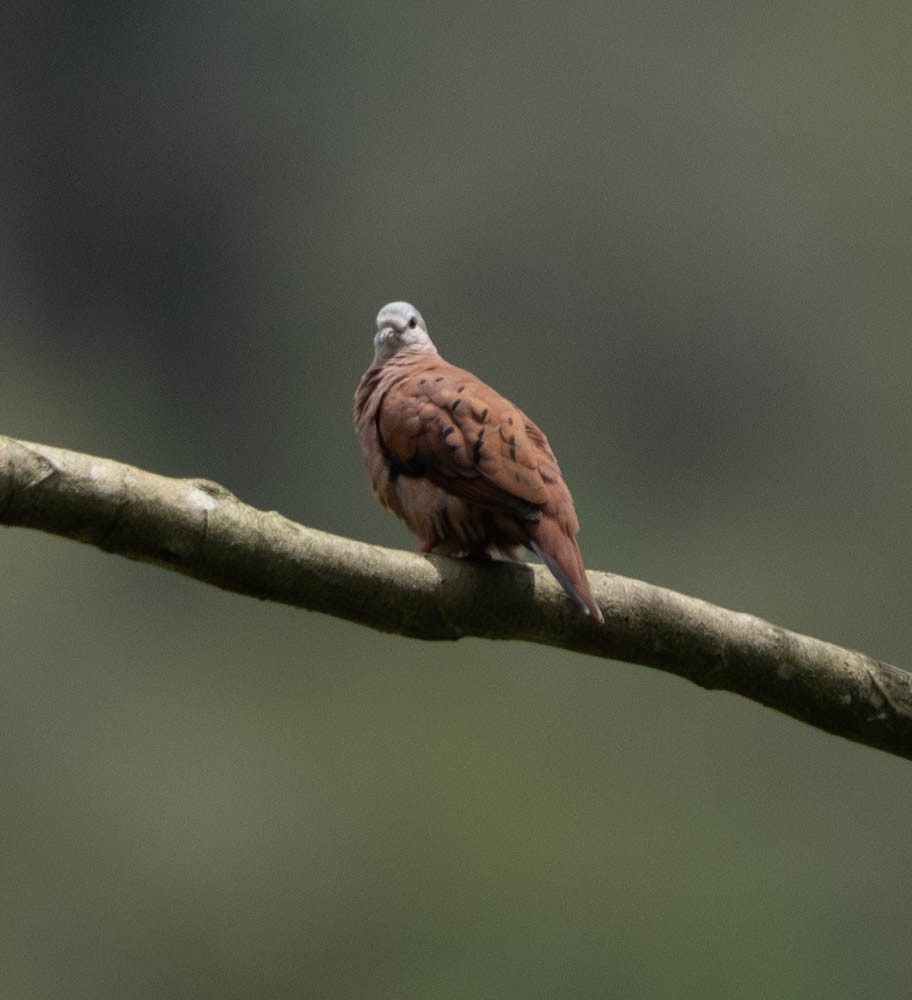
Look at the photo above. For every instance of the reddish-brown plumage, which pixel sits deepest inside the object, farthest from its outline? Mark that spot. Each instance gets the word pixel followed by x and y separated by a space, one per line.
pixel 464 468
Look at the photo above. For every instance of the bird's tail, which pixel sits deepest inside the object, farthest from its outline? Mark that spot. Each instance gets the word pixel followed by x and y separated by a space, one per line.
pixel 560 553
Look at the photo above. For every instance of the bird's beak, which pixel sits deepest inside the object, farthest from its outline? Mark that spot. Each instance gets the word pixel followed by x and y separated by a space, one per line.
pixel 384 335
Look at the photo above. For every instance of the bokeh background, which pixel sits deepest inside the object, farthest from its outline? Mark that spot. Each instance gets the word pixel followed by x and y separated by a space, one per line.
pixel 679 235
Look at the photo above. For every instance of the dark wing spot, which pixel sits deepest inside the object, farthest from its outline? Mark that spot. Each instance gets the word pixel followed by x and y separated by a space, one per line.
pixel 460 388
pixel 423 381
pixel 449 430
pixel 476 451
pixel 454 404
pixel 484 414
pixel 513 452
pixel 510 421
pixel 439 378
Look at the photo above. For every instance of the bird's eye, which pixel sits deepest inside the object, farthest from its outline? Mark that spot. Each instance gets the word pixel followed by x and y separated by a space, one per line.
pixel 413 322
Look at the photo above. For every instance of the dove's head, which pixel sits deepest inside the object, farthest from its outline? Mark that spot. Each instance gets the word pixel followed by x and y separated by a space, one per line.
pixel 401 328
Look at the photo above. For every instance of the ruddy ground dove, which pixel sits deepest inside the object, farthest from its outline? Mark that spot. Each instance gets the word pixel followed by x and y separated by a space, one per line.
pixel 464 468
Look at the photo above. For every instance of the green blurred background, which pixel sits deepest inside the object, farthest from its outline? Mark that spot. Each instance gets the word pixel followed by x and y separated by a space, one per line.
pixel 679 235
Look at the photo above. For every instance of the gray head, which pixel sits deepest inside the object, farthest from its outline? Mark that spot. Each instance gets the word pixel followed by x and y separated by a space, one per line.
pixel 400 327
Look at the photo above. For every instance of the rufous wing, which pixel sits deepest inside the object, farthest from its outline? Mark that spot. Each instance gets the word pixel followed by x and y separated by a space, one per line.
pixel 442 423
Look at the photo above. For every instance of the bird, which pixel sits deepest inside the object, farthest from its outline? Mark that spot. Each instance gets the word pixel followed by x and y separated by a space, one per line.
pixel 466 470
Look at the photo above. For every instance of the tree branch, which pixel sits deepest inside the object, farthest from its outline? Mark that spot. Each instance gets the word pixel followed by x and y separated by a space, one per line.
pixel 200 529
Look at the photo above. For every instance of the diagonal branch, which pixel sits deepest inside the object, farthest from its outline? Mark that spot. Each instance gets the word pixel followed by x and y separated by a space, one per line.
pixel 198 528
